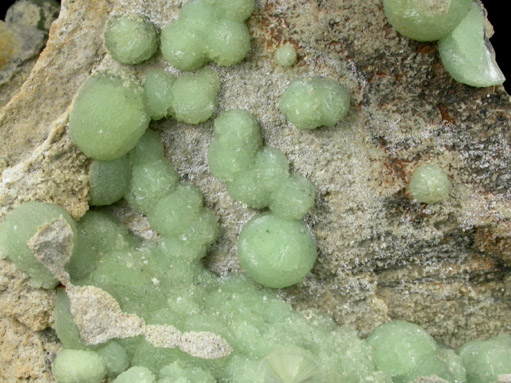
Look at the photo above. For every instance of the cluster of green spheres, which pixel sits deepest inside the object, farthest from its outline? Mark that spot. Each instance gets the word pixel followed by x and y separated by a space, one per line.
pixel 309 103
pixel 459 25
pixel 207 30
pixel 276 250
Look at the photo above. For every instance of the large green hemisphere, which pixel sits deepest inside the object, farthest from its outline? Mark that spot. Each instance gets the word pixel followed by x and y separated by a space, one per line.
pixel 426 20
pixel 276 252
pixel 21 225
pixel 109 116
pixel 467 54
pixel 108 181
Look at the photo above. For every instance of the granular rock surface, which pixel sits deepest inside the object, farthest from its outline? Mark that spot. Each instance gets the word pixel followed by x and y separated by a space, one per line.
pixel 382 255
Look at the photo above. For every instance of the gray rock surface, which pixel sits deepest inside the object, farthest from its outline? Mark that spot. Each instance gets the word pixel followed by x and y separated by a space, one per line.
pixel 382 255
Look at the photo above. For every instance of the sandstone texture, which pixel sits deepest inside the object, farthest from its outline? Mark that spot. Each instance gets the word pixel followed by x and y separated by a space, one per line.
pixel 382 256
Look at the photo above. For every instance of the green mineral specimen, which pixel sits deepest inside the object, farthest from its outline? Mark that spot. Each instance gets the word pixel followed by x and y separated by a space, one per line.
pixel 291 364
pixel 485 360
pixel 64 325
pixel 22 224
pixel 108 116
pixel 108 181
pixel 194 96
pixel 426 20
pixel 79 366
pixel 150 182
pixel 468 55
pixel 136 374
pixel 115 357
pixel 285 56
pixel 247 187
pixel 148 149
pixel 294 198
pixel 405 352
pixel 131 39
pixel 228 42
pixel 311 103
pixel 175 212
pixel 276 252
pixel 158 90
pixel 429 184
pixel 185 373
pixel 208 30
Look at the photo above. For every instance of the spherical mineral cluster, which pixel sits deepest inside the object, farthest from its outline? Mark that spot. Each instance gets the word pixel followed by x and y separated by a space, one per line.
pixel 285 56
pixel 405 351
pixel 276 252
pixel 21 224
pixel 486 360
pixel 311 103
pixel 131 39
pixel 108 116
pixel 429 184
pixel 208 30
pixel 425 20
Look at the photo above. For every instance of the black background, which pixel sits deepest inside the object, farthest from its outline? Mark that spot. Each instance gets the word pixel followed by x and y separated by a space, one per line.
pixel 496 13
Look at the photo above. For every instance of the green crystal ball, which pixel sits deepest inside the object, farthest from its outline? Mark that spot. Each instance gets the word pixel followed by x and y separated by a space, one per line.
pixel 276 252
pixel 285 56
pixel 108 116
pixel 79 366
pixel 314 102
pixel 425 20
pixel 429 184
pixel 131 39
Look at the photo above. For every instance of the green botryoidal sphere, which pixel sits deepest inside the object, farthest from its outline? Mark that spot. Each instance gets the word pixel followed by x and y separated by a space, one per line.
pixel 276 252
pixel 285 56
pixel 108 116
pixel 425 20
pixel 314 102
pixel 22 224
pixel 485 360
pixel 108 181
pixel 290 364
pixel 131 39
pixel 429 184
pixel 405 351
pixel 79 366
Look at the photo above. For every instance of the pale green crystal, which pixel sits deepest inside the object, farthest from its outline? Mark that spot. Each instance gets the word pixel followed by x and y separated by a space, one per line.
pixel 20 225
pixel 158 90
pixel 238 10
pixel 311 103
pixel 425 20
pixel 276 252
pixel 194 96
pixel 175 212
pixel 79 366
pixel 485 360
pixel 108 181
pixel 291 364
pixel 405 352
pixel 108 116
pixel 136 374
pixel 131 39
pixel 148 149
pixel 429 184
pixel 64 325
pixel 293 198
pixel 228 42
pixel 151 182
pixel 285 56
pixel 186 373
pixel 247 187
pixel 115 357
pixel 272 168
pixel 207 31
pixel 468 55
